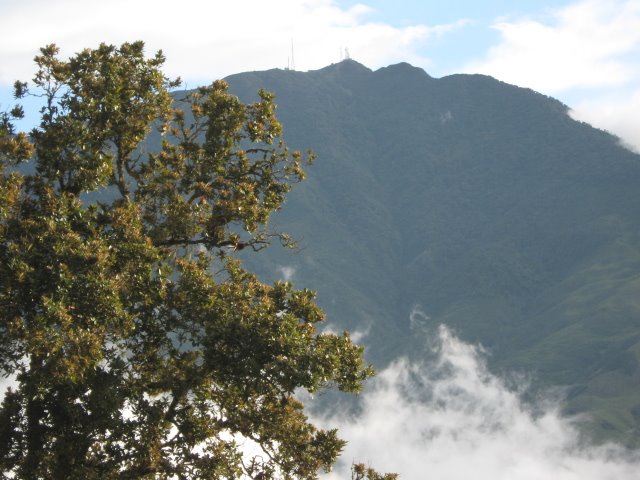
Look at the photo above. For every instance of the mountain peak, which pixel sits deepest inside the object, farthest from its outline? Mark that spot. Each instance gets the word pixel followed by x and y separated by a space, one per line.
pixel 347 65
pixel 473 203
pixel 404 68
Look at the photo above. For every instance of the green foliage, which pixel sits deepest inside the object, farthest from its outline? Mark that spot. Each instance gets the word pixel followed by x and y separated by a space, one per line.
pixel 13 146
pixel 361 472
pixel 141 347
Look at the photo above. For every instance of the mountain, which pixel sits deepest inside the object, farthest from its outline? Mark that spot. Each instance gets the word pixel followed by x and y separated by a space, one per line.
pixel 470 202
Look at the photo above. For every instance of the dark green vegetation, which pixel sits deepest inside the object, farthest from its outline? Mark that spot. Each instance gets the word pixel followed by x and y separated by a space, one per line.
pixel 141 347
pixel 483 204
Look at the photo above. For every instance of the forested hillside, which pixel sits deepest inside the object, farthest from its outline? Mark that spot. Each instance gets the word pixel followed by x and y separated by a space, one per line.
pixel 470 202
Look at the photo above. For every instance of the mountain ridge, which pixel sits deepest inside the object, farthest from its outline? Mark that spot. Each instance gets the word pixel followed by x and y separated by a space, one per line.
pixel 481 203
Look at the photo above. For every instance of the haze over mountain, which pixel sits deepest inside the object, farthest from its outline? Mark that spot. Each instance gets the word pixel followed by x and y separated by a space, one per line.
pixel 468 202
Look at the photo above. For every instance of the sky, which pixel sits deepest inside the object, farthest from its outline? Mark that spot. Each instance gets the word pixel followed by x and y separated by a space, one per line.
pixel 586 53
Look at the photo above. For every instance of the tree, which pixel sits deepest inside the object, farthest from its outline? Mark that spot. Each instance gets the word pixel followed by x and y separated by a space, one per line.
pixel 141 347
pixel 361 472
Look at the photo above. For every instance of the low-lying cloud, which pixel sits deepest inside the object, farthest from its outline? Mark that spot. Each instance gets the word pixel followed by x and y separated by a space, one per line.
pixel 287 272
pixel 450 418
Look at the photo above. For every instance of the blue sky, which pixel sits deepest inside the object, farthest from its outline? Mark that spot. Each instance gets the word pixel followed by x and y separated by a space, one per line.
pixel 584 52
pixel 449 52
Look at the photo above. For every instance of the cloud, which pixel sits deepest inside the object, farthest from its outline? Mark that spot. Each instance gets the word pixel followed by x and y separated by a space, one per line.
pixel 287 272
pixel 591 43
pixel 204 40
pixel 452 419
pixel 586 52
pixel 418 318
pixel 616 113
pixel 5 384
pixel 357 336
pixel 360 334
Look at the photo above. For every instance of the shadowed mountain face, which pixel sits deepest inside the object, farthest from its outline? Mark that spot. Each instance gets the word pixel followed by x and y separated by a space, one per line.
pixel 470 202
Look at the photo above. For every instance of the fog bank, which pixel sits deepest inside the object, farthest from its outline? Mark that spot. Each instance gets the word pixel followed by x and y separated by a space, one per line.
pixel 450 418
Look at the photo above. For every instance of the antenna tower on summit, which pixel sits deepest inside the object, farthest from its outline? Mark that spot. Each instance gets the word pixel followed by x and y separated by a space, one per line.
pixel 291 63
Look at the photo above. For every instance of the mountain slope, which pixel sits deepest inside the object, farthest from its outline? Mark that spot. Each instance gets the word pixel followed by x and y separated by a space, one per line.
pixel 470 202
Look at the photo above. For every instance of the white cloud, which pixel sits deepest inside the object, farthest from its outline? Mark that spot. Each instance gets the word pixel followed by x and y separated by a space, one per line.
pixel 452 419
pixel 591 43
pixel 359 335
pixel 5 384
pixel 588 50
pixel 418 318
pixel 619 114
pixel 287 272
pixel 204 40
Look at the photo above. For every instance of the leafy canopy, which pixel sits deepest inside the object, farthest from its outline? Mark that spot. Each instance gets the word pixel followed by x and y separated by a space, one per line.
pixel 140 346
